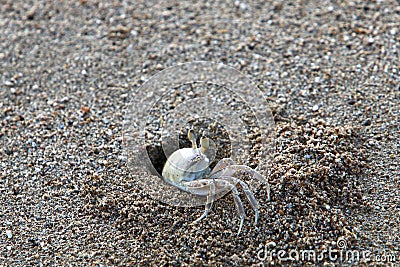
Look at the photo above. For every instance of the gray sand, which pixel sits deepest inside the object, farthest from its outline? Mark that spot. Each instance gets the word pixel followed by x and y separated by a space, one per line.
pixel 68 70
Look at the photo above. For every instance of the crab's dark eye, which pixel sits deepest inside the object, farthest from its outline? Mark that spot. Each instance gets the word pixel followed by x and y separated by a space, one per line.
pixel 196 158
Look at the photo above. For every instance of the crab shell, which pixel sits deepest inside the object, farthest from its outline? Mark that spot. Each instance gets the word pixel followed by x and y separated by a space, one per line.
pixel 186 164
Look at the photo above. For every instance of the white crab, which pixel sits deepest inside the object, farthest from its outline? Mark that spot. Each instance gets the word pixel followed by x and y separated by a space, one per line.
pixel 187 169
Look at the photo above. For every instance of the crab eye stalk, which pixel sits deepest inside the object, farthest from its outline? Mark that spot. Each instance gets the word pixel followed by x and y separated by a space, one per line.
pixel 204 144
pixel 192 137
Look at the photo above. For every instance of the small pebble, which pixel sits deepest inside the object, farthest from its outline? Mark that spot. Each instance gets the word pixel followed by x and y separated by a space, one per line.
pixel 85 109
pixel 367 122
pixel 9 233
pixel 8 83
pixel 371 40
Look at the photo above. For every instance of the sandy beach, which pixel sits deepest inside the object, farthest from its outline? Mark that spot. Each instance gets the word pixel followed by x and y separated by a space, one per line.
pixel 328 69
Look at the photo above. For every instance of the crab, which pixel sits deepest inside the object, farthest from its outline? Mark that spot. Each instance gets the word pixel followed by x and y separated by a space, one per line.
pixel 188 169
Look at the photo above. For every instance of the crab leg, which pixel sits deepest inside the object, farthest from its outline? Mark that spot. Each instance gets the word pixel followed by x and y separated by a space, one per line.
pixel 216 186
pixel 232 169
pixel 209 188
pixel 222 164
pixel 228 166
pixel 239 206
pixel 249 194
pixel 209 204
